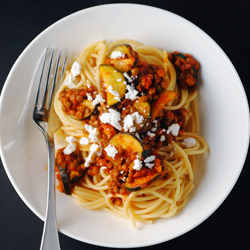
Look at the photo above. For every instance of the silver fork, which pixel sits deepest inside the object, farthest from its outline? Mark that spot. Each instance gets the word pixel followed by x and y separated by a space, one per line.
pixel 48 122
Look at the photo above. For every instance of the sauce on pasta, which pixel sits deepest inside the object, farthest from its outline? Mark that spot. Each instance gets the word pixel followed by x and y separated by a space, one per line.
pixel 128 138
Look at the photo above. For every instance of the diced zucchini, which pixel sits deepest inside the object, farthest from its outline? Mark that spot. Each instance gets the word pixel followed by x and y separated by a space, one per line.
pixel 146 153
pixel 65 179
pixel 144 109
pixel 164 98
pixel 127 61
pixel 74 176
pixel 111 76
pixel 142 182
pixel 128 142
pixel 193 70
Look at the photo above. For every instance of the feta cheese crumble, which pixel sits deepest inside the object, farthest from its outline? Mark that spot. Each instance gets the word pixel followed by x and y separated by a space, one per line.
pixel 93 132
pixel 132 93
pixel 71 146
pixel 128 122
pixel 69 149
pixel 117 55
pixel 149 165
pixel 89 96
pixel 84 141
pixel 76 69
pixel 137 164
pixel 189 142
pixel 128 77
pixel 114 92
pixel 150 134
pixel 150 158
pixel 95 150
pixel 112 117
pixel 174 129
pixel 162 138
pixel 111 151
pixel 70 139
pixel 69 82
pixel 98 99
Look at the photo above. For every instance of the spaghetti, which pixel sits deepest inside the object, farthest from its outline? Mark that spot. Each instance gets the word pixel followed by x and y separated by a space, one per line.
pixel 129 138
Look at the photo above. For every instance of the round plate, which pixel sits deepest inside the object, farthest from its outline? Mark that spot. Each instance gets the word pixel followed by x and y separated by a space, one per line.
pixel 221 97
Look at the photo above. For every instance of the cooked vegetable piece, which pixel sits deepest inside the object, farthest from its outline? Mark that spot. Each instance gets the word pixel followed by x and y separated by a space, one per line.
pixel 74 176
pixel 164 98
pixel 193 70
pixel 123 57
pixel 144 109
pixel 142 182
pixel 146 153
pixel 128 142
pixel 65 179
pixel 112 79
pixel 180 56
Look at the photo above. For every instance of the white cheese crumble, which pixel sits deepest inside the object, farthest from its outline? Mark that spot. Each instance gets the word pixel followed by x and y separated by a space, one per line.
pixel 112 117
pixel 124 179
pixel 117 55
pixel 93 132
pixel 114 92
pixel 84 141
pixel 111 151
pixel 70 139
pixel 69 82
pixel 150 158
pixel 154 129
pixel 128 77
pixel 129 121
pixel 138 164
pixel 95 150
pixel 149 165
pixel 98 99
pixel 132 93
pixel 150 134
pixel 189 142
pixel 88 85
pixel 162 138
pixel 76 69
pixel 174 129
pixel 89 96
pixel 69 149
pixel 119 80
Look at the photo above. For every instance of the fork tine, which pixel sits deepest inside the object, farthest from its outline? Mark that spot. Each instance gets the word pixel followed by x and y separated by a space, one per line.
pixel 42 104
pixel 50 94
pixel 40 81
pixel 64 67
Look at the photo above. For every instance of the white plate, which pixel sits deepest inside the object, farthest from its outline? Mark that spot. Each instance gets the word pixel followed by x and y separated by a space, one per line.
pixel 221 97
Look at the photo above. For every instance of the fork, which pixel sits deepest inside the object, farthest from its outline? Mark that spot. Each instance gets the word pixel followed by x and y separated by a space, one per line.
pixel 47 121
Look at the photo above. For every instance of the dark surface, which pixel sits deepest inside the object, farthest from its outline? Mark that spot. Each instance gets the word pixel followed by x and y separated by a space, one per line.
pixel 227 22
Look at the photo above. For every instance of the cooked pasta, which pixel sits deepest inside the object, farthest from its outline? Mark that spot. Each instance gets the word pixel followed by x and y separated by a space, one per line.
pixel 129 133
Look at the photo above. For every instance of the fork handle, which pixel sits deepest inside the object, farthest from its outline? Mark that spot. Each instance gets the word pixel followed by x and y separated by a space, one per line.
pixel 50 238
